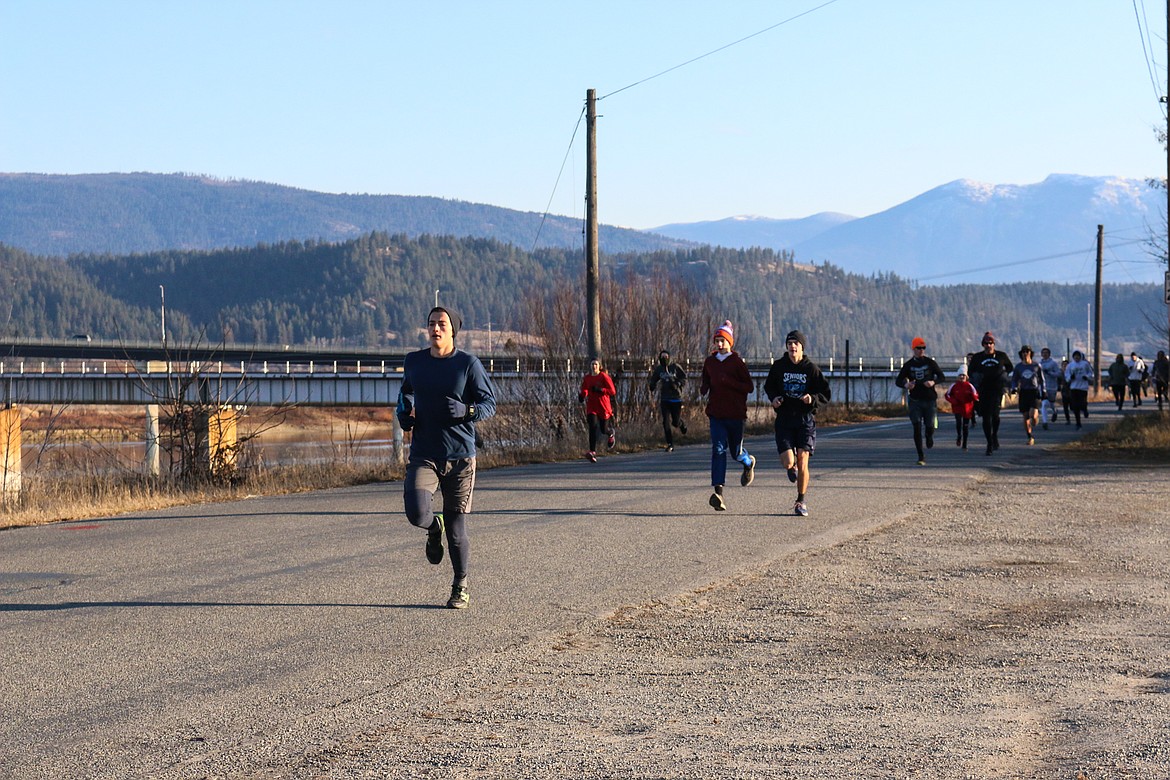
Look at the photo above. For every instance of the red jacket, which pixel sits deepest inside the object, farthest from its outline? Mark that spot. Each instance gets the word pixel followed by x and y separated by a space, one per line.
pixel 597 390
pixel 729 385
pixel 962 395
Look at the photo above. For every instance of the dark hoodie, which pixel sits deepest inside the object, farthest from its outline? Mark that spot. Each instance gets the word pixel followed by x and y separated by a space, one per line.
pixel 789 381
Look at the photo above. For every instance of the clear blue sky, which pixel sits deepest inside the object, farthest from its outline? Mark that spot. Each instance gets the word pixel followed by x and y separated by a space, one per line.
pixel 854 107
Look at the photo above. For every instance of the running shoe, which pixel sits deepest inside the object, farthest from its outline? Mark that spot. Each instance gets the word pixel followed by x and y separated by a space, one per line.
pixel 921 461
pixel 460 597
pixel 959 442
pixel 929 442
pixel 749 471
pixel 1031 441
pixel 682 426
pixel 591 456
pixel 792 474
pixel 611 442
pixel 716 501
pixel 800 508
pixel 670 448
pixel 435 539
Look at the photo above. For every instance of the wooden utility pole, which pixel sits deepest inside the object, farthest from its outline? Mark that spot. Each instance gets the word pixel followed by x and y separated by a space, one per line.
pixel 1166 102
pixel 593 301
pixel 1097 312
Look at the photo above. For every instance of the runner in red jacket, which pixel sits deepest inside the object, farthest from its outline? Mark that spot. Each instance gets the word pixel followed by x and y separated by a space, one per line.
pixel 962 396
pixel 597 392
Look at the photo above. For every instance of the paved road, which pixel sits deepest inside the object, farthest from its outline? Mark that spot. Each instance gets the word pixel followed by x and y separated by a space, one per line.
pixel 223 638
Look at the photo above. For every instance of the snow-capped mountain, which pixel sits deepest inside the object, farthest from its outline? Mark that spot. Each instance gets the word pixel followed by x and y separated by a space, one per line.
pixel 968 231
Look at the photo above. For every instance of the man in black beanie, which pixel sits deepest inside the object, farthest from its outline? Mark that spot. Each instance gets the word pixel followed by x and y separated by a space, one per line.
pixel 796 388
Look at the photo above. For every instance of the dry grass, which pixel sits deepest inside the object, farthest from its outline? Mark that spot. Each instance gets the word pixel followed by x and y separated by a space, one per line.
pixel 90 493
pixel 1138 437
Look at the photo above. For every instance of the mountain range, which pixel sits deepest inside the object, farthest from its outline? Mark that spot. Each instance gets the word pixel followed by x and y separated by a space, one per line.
pixel 130 213
pixel 963 232
pixel 971 232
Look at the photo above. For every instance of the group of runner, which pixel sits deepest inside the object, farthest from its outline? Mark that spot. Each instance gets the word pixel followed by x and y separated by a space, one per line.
pixel 446 391
pixel 989 375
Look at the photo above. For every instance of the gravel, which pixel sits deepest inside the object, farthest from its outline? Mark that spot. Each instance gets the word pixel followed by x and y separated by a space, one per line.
pixel 1021 633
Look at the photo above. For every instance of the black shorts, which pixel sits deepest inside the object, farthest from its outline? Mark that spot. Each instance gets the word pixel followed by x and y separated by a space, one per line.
pixel 796 433
pixel 1029 400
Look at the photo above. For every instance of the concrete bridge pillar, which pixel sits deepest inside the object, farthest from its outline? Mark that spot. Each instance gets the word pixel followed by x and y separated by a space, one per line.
pixel 10 438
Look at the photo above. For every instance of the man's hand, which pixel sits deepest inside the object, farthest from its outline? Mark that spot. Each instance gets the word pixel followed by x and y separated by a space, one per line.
pixel 458 410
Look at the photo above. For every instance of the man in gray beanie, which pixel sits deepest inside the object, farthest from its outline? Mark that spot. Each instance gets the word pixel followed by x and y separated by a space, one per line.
pixel 445 391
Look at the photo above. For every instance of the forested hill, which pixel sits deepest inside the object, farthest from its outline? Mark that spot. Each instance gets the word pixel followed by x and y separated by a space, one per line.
pixel 124 213
pixel 375 291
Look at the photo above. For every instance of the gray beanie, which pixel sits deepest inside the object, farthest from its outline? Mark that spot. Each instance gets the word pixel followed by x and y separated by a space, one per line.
pixel 456 320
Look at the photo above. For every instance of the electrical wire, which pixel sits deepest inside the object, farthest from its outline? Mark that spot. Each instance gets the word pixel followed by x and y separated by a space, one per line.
pixel 561 172
pixel 716 51
pixel 1148 53
pixel 544 216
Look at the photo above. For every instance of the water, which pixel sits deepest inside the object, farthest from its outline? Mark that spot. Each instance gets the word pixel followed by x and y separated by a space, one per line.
pixel 367 447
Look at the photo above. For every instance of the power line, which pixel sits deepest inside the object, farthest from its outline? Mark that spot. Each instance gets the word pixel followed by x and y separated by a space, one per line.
pixel 721 48
pixel 548 206
pixel 1148 49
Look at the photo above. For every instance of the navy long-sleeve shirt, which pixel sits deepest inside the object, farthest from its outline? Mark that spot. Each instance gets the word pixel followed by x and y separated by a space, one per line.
pixel 427 384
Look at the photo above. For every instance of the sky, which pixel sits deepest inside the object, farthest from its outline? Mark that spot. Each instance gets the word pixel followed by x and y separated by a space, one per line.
pixel 707 110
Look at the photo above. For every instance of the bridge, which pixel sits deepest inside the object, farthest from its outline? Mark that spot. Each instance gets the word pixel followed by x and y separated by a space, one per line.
pixel 222 381
pixel 83 372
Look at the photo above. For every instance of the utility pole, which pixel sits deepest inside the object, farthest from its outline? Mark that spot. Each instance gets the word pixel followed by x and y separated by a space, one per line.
pixel 592 297
pixel 1097 311
pixel 162 295
pixel 1166 101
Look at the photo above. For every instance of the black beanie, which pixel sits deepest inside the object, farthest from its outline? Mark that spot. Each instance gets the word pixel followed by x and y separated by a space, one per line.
pixel 456 320
pixel 797 336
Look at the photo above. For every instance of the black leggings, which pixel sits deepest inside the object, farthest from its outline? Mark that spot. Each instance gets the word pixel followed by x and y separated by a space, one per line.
pixel 962 427
pixel 989 411
pixel 1080 403
pixel 599 428
pixel 671 416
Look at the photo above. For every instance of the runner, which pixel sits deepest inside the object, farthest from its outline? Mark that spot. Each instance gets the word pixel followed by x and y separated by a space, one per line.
pixel 918 377
pixel 1119 380
pixel 962 397
pixel 1138 374
pixel 1079 375
pixel 1052 373
pixel 727 384
pixel 597 392
pixel 1161 375
pixel 669 378
pixel 445 391
pixel 1028 384
pixel 990 372
pixel 797 388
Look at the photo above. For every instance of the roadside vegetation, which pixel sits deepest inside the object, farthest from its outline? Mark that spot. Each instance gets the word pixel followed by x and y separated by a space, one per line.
pixel 90 491
pixel 1141 438
pixel 92 485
